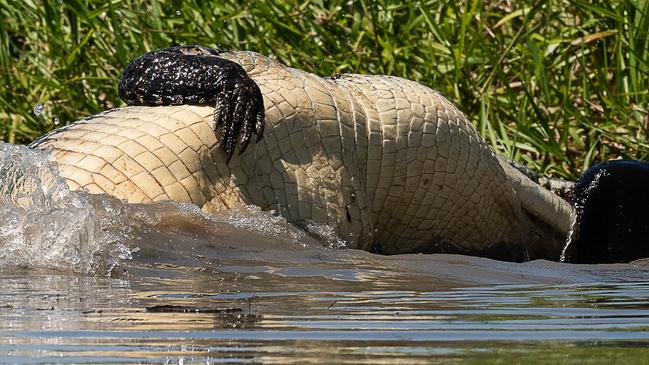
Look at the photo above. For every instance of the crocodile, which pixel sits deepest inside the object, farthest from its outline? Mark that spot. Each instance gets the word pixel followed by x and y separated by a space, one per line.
pixel 391 165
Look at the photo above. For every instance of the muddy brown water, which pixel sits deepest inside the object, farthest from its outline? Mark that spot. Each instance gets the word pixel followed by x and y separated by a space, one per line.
pixel 89 279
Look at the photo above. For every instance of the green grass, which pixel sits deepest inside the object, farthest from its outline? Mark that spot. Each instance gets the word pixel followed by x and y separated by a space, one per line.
pixel 556 84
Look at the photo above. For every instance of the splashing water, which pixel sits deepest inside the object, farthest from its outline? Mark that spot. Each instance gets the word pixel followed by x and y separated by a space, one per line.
pixel 579 204
pixel 49 226
pixel 38 109
pixel 45 223
pixel 569 239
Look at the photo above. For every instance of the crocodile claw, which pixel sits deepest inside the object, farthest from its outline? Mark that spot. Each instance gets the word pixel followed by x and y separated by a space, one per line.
pixel 196 75
pixel 237 114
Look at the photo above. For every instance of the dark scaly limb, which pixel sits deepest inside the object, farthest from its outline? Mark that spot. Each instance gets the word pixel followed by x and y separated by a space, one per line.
pixel 196 75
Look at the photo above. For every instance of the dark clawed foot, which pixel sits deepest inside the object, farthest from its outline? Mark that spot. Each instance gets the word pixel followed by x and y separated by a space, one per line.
pixel 196 75
pixel 239 112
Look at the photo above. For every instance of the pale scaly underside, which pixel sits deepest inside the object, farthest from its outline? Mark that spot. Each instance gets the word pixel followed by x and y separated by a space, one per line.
pixel 390 164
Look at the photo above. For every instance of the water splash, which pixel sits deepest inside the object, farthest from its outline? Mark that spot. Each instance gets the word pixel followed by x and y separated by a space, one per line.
pixel 45 223
pixel 38 109
pixel 326 234
pixel 575 217
pixel 252 219
pixel 571 235
pixel 48 226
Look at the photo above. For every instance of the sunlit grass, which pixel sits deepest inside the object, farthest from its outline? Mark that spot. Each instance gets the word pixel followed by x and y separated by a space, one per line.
pixel 556 84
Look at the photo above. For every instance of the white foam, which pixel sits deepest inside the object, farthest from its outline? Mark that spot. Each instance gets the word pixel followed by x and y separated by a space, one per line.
pixel 45 224
pixel 48 226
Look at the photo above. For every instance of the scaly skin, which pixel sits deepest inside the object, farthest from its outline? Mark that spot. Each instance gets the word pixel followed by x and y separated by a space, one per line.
pixel 392 165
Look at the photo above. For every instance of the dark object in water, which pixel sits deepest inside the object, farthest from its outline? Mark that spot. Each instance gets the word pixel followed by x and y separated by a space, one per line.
pixel 188 309
pixel 611 200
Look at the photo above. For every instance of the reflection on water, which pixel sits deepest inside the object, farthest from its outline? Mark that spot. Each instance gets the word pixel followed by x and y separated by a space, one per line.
pixel 166 283
pixel 72 319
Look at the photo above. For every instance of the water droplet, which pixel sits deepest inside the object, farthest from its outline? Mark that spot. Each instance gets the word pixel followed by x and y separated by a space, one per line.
pixel 178 12
pixel 57 121
pixel 38 109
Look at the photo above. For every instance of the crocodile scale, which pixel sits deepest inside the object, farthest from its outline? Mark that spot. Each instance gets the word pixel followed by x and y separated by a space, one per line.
pixel 390 164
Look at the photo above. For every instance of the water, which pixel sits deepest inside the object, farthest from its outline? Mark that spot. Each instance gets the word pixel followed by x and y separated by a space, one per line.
pixel 88 279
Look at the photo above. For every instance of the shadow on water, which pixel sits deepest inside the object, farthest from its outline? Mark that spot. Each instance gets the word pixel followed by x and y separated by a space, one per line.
pixel 88 279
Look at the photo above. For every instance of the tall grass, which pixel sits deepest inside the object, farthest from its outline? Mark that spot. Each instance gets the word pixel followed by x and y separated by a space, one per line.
pixel 557 84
